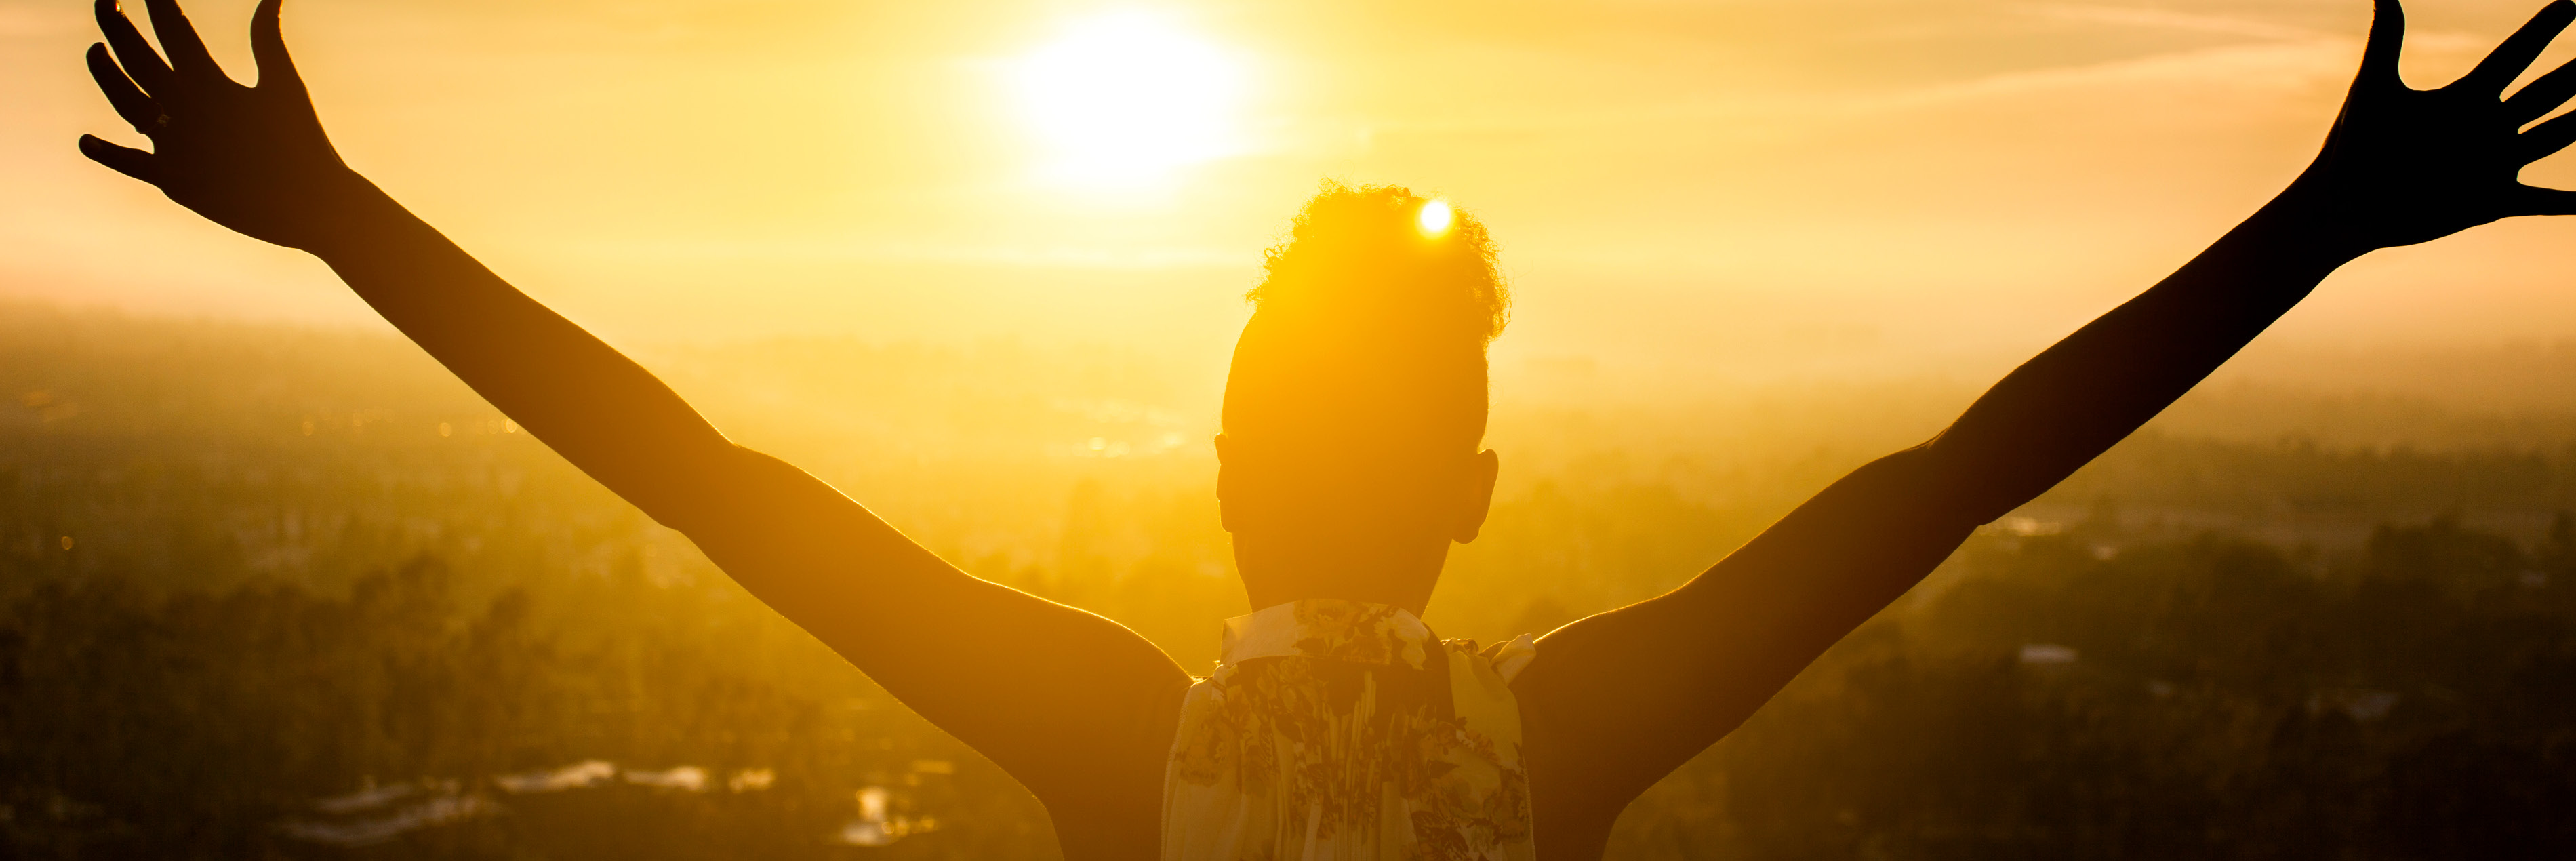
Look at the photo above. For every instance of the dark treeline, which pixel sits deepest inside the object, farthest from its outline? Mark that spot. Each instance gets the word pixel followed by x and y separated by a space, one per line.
pixel 206 725
pixel 2210 697
pixel 2062 697
pixel 278 594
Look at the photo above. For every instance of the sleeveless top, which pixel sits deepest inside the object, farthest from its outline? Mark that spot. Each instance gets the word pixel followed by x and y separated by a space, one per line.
pixel 1340 731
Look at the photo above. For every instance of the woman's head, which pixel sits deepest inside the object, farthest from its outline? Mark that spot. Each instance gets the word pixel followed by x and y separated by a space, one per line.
pixel 1357 399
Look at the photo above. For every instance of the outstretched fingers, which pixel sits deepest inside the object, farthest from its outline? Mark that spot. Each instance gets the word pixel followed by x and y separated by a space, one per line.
pixel 2508 60
pixel 125 160
pixel 2542 95
pixel 268 47
pixel 2546 201
pixel 132 50
pixel 188 55
pixel 2546 139
pixel 129 100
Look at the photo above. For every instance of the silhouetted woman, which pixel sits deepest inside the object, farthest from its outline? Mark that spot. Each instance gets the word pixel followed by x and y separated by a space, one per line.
pixel 1336 725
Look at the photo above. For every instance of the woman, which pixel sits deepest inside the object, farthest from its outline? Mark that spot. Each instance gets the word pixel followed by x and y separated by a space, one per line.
pixel 1337 727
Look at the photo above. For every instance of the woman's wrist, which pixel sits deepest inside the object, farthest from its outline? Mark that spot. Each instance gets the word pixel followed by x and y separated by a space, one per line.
pixel 2309 226
pixel 354 215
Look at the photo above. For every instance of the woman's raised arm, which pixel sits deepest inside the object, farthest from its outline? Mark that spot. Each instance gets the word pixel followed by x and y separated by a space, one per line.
pixel 1623 697
pixel 1068 701
pixel 255 159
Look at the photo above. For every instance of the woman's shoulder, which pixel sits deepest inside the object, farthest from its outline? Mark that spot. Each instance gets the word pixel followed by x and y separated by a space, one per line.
pixel 1506 657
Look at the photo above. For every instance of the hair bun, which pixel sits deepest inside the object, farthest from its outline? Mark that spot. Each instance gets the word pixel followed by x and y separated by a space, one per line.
pixel 1367 259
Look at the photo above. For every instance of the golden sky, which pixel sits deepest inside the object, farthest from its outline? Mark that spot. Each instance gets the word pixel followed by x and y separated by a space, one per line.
pixel 1885 184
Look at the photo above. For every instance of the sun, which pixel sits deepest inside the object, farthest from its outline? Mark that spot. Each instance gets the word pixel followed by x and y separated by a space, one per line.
pixel 1128 98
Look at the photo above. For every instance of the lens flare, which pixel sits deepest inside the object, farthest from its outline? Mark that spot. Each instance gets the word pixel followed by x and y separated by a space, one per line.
pixel 1434 218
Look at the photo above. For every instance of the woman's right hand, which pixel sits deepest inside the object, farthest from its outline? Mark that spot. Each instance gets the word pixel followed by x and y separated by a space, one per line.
pixel 2404 166
pixel 253 159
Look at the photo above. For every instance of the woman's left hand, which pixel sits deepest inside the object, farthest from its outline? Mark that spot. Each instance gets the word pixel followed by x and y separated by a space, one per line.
pixel 253 159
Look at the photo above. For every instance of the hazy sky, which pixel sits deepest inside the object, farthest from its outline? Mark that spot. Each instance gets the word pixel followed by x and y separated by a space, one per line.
pixel 1745 182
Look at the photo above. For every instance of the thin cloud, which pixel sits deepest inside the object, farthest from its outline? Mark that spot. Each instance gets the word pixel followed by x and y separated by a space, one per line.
pixel 2160 19
pixel 20 21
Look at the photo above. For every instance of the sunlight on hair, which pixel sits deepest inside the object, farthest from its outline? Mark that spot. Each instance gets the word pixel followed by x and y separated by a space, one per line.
pixel 1434 217
pixel 1126 98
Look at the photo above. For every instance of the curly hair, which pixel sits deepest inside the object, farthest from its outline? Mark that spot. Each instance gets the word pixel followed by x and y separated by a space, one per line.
pixel 1362 254
pixel 1369 328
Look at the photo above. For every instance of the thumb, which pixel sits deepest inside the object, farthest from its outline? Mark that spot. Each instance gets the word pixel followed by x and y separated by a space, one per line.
pixel 268 50
pixel 125 160
pixel 2387 41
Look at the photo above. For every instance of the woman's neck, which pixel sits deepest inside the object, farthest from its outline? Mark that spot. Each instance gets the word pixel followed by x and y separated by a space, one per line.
pixel 1277 571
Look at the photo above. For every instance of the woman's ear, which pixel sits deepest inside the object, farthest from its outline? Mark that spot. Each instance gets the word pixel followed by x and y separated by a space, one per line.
pixel 1475 497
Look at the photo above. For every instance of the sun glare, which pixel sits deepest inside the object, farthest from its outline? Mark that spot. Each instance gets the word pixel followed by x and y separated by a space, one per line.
pixel 1127 98
pixel 1434 217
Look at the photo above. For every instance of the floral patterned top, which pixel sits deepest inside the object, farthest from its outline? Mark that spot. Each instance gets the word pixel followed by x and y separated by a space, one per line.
pixel 1342 731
